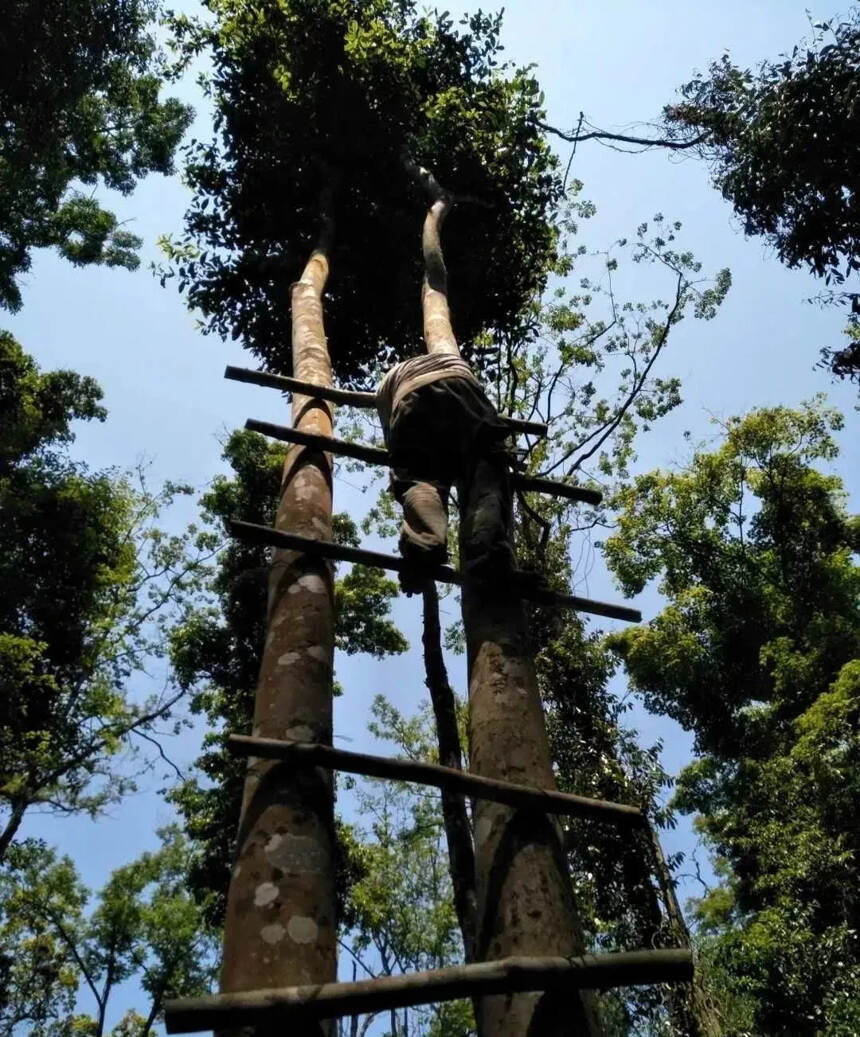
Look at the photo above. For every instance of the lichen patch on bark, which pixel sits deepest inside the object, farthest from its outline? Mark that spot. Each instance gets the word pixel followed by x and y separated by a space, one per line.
pixel 310 582
pixel 302 929
pixel 273 933
pixel 299 733
pixel 265 894
pixel 295 854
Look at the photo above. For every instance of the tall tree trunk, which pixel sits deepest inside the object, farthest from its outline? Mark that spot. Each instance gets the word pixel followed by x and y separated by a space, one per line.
pixel 525 899
pixel 458 832
pixel 281 918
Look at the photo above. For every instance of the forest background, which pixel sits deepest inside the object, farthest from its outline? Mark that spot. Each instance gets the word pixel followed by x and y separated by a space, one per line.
pixel 167 401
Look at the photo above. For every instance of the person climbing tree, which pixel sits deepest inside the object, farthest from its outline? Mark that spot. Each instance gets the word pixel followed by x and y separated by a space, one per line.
pixel 435 416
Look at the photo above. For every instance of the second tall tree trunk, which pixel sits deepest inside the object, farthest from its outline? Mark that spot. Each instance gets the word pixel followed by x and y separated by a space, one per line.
pixel 525 898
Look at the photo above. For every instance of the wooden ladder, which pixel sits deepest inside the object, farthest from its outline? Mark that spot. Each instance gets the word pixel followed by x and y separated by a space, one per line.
pixel 306 1004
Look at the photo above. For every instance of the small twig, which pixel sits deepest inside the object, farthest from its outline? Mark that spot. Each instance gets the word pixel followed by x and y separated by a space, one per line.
pixel 161 752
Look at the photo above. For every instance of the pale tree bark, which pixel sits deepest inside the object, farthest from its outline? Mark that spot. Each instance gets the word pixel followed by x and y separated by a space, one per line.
pixel 524 895
pixel 438 333
pixel 281 924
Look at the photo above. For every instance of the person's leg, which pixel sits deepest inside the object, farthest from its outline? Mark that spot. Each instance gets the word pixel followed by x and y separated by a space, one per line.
pixel 422 454
pixel 424 532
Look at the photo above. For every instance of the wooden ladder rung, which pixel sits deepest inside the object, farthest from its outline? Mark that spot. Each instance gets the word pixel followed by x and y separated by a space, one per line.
pixel 506 976
pixel 377 455
pixel 547 801
pixel 524 582
pixel 349 398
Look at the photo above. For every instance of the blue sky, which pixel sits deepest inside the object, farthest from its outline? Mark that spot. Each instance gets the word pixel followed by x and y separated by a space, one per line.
pixel 618 61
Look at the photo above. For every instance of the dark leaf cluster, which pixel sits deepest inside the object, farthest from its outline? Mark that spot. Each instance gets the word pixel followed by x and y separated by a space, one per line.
pixel 784 142
pixel 350 96
pixel 80 106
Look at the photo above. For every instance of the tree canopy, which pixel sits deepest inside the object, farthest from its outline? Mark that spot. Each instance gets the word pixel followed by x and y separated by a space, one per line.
pixel 58 957
pixel 354 97
pixel 781 141
pixel 80 106
pixel 216 647
pixel 756 654
pixel 86 582
pixel 783 144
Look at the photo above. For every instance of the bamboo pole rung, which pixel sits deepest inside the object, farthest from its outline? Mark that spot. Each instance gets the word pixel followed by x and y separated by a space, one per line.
pixel 506 976
pixel 347 397
pixel 377 455
pixel 547 801
pixel 523 581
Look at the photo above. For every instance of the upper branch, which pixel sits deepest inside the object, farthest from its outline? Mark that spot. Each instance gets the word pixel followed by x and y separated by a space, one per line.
pixel 670 143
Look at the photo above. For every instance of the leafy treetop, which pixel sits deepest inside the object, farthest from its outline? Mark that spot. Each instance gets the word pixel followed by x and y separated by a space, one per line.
pixel 783 142
pixel 79 105
pixel 86 579
pixel 352 95
pixel 756 653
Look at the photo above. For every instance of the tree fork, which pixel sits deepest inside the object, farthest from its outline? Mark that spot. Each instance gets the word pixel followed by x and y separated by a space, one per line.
pixel 281 920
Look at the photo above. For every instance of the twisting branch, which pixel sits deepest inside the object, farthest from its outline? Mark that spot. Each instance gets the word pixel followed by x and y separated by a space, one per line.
pixel 438 331
pixel 435 274
pixel 670 143
pixel 426 180
pixel 434 190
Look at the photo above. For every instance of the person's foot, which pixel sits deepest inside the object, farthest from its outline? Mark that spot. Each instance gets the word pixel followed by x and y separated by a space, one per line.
pixel 419 565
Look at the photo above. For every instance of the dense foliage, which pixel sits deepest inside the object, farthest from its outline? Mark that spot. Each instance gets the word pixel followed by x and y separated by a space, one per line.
pixel 216 650
pixel 756 654
pixel 80 106
pixel 783 141
pixel 349 94
pixel 58 957
pixel 87 582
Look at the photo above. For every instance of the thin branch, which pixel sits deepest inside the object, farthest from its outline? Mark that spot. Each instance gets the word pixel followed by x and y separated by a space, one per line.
pixel 356 958
pixel 161 752
pixel 461 852
pixel 637 385
pixel 67 940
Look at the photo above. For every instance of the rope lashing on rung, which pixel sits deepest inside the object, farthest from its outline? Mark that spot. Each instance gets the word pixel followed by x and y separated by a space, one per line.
pixel 347 397
pixel 547 801
pixel 380 456
pixel 523 581
pixel 287 1005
